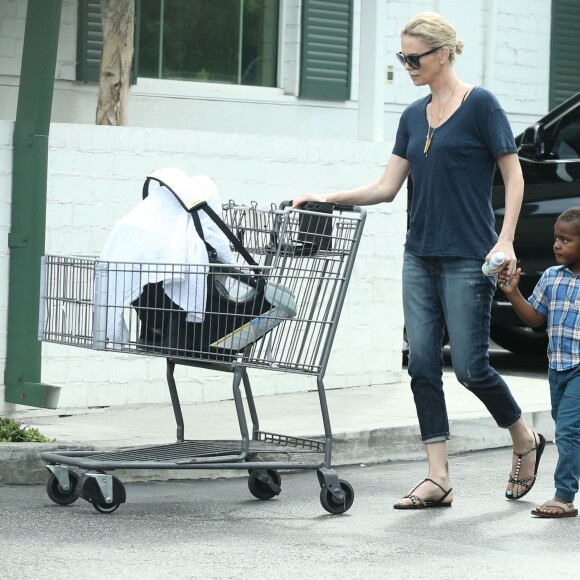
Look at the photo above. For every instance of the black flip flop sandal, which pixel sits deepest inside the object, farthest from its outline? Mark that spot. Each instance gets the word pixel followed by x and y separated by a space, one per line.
pixel 419 504
pixel 526 482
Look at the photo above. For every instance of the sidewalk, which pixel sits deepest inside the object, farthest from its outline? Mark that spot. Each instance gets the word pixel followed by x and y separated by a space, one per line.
pixel 369 424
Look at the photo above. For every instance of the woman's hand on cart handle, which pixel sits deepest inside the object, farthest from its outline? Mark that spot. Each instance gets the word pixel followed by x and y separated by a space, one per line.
pixel 305 198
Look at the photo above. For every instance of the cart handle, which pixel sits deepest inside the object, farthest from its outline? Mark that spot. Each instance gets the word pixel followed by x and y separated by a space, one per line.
pixel 314 205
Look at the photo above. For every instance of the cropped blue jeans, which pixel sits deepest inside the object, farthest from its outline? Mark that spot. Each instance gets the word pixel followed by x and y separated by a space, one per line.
pixel 450 292
pixel 565 395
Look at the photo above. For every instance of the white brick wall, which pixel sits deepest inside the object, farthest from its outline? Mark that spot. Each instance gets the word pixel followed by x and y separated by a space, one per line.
pixel 95 177
pixel 262 144
pixel 12 16
pixel 521 74
pixel 67 45
pixel 522 54
pixel 290 41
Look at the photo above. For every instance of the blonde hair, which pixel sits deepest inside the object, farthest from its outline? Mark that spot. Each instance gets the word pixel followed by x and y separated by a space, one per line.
pixel 435 31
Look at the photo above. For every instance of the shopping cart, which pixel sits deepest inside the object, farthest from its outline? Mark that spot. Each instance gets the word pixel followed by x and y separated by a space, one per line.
pixel 280 314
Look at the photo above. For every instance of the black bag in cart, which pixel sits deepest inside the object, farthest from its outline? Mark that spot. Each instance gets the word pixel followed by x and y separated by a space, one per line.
pixel 316 230
pixel 232 320
pixel 241 305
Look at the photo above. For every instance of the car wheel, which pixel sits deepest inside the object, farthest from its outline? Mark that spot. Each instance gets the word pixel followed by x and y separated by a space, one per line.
pixel 521 340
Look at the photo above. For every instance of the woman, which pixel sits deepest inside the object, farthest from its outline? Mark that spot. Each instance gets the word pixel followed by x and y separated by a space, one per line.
pixel 450 142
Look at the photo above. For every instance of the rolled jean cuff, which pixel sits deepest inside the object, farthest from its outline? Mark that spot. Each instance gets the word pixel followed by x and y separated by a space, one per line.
pixel 565 494
pixel 436 439
pixel 512 423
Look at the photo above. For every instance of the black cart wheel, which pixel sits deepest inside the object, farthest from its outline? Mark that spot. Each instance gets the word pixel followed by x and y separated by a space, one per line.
pixel 329 502
pixel 90 490
pixel 119 496
pixel 105 508
pixel 261 489
pixel 60 496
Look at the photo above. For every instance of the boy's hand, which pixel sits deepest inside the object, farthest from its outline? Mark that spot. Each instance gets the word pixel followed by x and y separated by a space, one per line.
pixel 510 261
pixel 508 285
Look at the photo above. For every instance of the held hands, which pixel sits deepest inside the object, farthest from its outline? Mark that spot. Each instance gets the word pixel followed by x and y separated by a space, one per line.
pixel 510 260
pixel 508 285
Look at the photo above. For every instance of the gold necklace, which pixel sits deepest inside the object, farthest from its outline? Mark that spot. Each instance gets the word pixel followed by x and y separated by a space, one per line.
pixel 431 130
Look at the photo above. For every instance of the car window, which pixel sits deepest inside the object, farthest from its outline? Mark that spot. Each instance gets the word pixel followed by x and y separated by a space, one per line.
pixel 565 142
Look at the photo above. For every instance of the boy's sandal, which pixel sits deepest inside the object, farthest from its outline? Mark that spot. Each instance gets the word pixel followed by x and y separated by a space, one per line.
pixel 526 482
pixel 419 503
pixel 567 510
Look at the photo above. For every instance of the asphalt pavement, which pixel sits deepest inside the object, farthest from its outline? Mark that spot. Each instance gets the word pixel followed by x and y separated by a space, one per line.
pixel 216 529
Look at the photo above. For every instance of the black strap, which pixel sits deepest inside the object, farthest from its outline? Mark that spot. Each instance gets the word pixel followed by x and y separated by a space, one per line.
pixel 223 227
pixel 197 222
pixel 146 190
pixel 214 217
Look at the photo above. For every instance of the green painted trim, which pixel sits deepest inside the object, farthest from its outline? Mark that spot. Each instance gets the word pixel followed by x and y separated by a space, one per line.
pixel 564 48
pixel 35 395
pixel 326 49
pixel 90 41
pixel 28 219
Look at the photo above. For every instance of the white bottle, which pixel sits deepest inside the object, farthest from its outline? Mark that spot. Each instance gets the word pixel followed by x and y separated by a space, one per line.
pixel 496 262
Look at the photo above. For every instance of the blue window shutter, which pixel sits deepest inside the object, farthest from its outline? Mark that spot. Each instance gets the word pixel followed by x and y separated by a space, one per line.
pixel 325 51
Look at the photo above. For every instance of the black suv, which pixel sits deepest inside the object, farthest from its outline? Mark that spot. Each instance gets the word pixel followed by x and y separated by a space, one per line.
pixel 549 153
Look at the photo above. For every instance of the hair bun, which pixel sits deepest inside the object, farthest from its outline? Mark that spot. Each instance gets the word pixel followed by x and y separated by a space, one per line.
pixel 459 47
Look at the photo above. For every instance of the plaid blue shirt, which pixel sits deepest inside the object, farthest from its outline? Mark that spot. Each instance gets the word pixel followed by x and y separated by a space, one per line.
pixel 556 297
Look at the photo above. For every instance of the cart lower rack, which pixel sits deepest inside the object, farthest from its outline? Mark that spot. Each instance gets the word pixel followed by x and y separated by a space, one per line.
pixel 278 313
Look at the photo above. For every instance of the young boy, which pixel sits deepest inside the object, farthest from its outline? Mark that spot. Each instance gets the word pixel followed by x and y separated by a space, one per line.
pixel 556 300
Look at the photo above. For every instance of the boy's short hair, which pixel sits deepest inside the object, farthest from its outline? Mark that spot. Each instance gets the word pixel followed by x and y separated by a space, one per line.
pixel 571 215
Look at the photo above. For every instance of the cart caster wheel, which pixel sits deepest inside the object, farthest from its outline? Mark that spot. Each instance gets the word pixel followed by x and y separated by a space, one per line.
pixel 253 458
pixel 264 484
pixel 60 496
pixel 329 502
pixel 90 490
pixel 105 508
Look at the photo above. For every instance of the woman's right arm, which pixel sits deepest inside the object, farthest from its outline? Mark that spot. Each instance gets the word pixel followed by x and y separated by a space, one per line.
pixel 382 190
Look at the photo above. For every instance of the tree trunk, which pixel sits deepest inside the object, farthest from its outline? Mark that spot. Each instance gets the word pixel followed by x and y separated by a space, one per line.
pixel 115 74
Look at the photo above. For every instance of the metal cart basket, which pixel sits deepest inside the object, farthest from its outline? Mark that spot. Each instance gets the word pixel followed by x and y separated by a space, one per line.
pixel 281 313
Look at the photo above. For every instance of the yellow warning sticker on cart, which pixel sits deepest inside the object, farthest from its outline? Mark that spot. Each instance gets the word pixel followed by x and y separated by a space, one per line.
pixel 251 331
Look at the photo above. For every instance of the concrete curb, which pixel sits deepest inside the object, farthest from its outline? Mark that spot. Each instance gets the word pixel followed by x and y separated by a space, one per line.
pixel 20 463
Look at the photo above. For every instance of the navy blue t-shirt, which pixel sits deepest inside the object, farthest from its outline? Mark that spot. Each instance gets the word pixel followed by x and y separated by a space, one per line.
pixel 451 213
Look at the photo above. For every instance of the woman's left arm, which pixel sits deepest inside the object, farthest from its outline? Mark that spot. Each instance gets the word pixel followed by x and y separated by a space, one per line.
pixel 511 172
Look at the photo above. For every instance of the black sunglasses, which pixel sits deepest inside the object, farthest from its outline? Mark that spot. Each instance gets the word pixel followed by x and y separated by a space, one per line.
pixel 413 60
